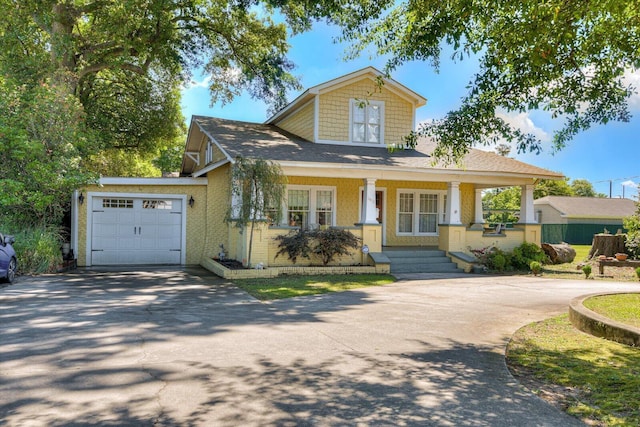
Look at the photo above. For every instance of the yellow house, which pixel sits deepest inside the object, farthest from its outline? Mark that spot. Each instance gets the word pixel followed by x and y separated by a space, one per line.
pixel 332 144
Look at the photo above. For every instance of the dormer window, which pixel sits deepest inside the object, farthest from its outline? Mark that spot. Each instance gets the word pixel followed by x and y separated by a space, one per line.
pixel 367 120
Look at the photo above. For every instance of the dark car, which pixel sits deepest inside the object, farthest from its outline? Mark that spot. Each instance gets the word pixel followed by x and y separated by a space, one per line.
pixel 8 260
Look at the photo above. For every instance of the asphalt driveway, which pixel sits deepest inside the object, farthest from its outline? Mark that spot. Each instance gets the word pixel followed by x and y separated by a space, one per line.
pixel 183 347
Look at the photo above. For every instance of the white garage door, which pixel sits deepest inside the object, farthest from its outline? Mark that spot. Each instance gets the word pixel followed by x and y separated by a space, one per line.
pixel 136 231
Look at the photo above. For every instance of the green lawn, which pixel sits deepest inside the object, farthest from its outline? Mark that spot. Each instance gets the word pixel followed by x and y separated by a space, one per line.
pixel 293 286
pixel 623 308
pixel 599 380
pixel 571 270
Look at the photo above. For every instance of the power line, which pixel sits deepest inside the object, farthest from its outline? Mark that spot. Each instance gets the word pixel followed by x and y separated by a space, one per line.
pixel 611 181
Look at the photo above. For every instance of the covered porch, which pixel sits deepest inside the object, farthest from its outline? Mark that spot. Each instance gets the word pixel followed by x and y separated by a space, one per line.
pixel 386 214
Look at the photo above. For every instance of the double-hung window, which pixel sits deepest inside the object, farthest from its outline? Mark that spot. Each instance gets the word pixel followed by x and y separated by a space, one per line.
pixel 419 212
pixel 367 121
pixel 310 206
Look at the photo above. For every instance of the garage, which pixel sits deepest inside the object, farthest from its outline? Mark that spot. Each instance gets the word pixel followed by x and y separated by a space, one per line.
pixel 129 230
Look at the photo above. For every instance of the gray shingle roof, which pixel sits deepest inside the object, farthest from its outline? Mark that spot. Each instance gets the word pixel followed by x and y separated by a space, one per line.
pixel 589 207
pixel 255 140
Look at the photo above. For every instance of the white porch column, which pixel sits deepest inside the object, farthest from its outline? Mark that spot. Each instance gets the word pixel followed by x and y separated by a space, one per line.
pixel 478 221
pixel 369 214
pixel 527 214
pixel 452 215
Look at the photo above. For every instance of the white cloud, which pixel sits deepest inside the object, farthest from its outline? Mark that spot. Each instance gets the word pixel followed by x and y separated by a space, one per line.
pixel 203 83
pixel 630 183
pixel 523 122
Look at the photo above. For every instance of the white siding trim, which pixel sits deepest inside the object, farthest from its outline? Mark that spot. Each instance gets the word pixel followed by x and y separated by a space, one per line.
pixel 152 181
pixel 316 119
pixel 74 222
pixel 209 168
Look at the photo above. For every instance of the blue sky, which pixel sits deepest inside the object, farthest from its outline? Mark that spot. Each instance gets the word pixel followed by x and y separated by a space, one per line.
pixel 603 153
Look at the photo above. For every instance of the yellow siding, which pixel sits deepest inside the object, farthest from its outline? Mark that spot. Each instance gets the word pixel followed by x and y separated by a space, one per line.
pixel 301 122
pixel 196 222
pixel 219 199
pixel 334 111
pixel 467 202
pixel 512 238
pixel 347 196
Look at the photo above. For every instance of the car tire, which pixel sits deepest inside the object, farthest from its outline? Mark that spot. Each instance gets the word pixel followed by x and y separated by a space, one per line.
pixel 11 270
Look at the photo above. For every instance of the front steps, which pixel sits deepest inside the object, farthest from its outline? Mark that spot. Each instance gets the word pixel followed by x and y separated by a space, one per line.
pixel 419 260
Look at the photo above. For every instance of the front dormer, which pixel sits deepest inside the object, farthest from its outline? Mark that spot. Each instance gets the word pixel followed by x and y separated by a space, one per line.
pixel 352 110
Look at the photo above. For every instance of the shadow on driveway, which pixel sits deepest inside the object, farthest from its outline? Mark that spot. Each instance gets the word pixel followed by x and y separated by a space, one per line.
pixel 184 347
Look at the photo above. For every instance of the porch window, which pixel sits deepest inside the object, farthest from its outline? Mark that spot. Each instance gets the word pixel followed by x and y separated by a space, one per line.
pixel 310 206
pixel 405 213
pixel 367 121
pixel 324 207
pixel 419 212
pixel 428 215
pixel 298 208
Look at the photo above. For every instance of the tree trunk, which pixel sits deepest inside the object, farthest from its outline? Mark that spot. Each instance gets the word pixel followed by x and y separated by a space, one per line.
pixel 607 244
pixel 559 253
pixel 62 53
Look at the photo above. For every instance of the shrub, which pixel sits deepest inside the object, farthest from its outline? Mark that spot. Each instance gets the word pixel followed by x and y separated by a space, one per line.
pixel 535 267
pixel 520 259
pixel 523 255
pixel 632 241
pixel 638 272
pixel 327 244
pixel 294 245
pixel 498 262
pixel 333 242
pixel 38 250
pixel 586 269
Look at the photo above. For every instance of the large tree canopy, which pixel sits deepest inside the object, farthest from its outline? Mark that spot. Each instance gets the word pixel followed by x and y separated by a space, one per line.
pixel 125 60
pixel 564 57
pixel 94 85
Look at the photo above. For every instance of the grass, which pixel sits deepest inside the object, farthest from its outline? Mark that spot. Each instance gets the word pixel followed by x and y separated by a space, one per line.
pixel 571 270
pixel 591 378
pixel 623 308
pixel 294 286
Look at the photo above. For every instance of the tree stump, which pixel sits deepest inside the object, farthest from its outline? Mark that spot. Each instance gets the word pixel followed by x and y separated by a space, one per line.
pixel 607 244
pixel 559 253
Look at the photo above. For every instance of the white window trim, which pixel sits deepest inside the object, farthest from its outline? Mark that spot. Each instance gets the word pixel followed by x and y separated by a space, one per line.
pixel 416 217
pixel 312 202
pixel 352 103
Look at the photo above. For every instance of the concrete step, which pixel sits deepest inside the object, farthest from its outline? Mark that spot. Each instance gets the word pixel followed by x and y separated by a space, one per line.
pixel 425 268
pixel 420 260
pixel 418 253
